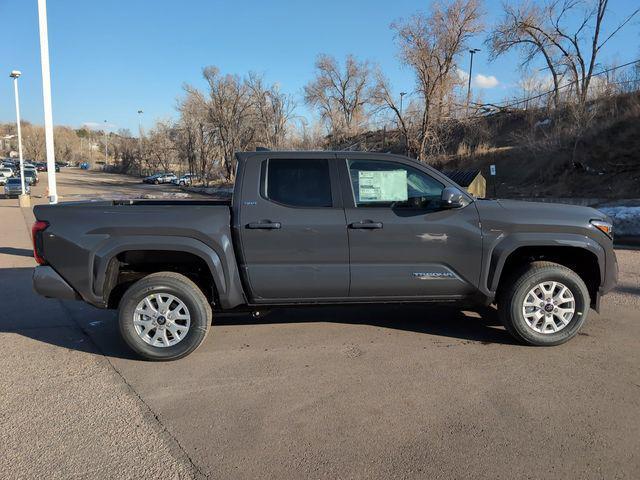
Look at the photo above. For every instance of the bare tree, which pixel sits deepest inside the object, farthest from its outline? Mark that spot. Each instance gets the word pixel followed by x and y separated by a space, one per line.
pixel 33 142
pixel 431 43
pixel 272 111
pixel 522 27
pixel 341 95
pixel 569 47
pixel 66 143
pixel 229 110
pixel 161 151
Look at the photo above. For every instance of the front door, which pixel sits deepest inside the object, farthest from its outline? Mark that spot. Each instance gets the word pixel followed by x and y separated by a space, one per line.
pixel 294 236
pixel 403 243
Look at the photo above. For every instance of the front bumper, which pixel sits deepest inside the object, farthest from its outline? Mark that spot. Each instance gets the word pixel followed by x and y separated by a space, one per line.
pixel 48 283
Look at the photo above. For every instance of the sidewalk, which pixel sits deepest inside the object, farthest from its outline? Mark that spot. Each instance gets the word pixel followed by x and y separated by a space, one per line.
pixel 64 410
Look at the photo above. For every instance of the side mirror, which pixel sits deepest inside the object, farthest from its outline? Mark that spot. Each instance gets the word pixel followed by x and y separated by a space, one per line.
pixel 453 198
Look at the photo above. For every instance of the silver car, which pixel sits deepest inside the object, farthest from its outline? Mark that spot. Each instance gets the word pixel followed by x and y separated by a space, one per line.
pixel 186 179
pixel 13 187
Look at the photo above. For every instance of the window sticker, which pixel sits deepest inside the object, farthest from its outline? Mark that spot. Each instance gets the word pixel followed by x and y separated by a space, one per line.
pixel 382 186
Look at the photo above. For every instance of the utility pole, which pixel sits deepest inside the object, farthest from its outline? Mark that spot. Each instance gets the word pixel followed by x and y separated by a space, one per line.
pixel 15 74
pixel 46 96
pixel 473 51
pixel 106 158
pixel 140 112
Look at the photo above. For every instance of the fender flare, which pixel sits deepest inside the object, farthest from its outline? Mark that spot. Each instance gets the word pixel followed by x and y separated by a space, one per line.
pixel 103 256
pixel 505 246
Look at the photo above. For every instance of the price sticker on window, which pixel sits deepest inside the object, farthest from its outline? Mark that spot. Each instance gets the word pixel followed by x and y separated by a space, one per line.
pixel 382 186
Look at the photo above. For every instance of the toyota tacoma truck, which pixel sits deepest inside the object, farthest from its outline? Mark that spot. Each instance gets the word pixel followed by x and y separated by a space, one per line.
pixel 309 228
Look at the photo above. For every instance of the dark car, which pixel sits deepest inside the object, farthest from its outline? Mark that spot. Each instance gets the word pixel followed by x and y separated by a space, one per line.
pixel 30 177
pixel 13 187
pixel 43 167
pixel 309 228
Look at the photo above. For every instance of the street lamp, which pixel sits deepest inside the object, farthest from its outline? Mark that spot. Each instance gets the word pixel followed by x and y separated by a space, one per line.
pixel 15 74
pixel 473 51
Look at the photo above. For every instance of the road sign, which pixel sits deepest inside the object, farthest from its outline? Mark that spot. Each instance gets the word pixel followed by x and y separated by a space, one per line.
pixel 492 170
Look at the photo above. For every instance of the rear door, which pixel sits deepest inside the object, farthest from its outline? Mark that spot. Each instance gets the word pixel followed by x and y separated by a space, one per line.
pixel 293 231
pixel 403 244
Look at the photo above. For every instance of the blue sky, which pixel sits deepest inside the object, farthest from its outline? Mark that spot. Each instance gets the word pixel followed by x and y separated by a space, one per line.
pixel 111 58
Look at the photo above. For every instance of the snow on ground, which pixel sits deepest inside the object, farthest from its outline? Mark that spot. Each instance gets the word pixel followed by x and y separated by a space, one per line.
pixel 626 220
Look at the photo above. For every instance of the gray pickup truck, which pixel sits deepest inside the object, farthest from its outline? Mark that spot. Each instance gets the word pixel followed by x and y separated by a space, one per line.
pixel 308 228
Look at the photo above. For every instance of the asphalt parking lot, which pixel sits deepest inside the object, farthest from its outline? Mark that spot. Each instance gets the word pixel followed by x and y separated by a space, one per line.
pixel 363 393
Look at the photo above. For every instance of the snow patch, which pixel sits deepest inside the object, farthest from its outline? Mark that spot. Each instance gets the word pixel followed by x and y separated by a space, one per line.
pixel 626 220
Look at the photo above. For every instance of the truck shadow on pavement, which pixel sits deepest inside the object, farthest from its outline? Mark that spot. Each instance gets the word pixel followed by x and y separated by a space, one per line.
pixel 473 324
pixel 78 326
pixel 20 252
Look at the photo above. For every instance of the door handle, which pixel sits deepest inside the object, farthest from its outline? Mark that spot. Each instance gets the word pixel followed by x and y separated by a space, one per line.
pixel 366 225
pixel 264 225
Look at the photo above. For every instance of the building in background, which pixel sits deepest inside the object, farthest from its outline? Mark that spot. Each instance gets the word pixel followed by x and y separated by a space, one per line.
pixel 472 180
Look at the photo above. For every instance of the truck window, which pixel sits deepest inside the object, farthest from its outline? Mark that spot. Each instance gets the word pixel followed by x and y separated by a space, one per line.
pixel 390 184
pixel 298 183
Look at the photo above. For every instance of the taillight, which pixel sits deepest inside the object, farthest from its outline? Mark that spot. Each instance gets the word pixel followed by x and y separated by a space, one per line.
pixel 36 230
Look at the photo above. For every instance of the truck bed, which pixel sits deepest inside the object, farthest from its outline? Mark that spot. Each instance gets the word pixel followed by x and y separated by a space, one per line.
pixel 83 237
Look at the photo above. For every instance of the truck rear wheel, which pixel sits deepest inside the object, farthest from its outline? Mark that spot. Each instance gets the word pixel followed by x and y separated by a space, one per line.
pixel 164 316
pixel 545 304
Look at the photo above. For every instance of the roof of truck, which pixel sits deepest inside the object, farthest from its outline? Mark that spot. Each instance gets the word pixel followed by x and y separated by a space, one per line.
pixel 302 154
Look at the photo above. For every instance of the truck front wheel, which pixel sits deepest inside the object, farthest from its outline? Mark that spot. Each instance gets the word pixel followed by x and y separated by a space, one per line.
pixel 544 304
pixel 164 316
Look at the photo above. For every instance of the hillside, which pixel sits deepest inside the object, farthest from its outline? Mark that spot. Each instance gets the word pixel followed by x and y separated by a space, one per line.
pixel 542 154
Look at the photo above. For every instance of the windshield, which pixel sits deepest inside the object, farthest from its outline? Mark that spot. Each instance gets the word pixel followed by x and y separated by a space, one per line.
pixel 13 181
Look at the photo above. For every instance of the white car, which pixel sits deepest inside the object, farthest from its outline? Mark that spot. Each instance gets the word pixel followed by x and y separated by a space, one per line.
pixel 6 172
pixel 186 179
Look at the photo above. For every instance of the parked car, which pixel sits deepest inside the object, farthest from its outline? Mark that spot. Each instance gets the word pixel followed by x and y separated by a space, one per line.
pixel 84 166
pixel 312 228
pixel 13 187
pixel 186 179
pixel 30 177
pixel 43 167
pixel 6 172
pixel 159 178
pixel 3 179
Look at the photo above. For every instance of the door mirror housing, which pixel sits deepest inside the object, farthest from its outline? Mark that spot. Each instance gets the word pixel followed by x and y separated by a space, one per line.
pixel 452 197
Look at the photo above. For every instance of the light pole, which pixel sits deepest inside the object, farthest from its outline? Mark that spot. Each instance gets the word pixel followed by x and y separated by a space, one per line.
pixel 46 97
pixel 106 158
pixel 402 94
pixel 140 112
pixel 473 51
pixel 15 74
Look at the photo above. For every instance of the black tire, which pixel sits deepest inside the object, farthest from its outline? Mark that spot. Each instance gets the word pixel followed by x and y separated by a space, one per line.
pixel 182 288
pixel 510 303
pixel 156 182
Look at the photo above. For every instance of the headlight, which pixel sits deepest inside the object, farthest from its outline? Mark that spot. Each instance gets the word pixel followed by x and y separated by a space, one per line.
pixel 604 227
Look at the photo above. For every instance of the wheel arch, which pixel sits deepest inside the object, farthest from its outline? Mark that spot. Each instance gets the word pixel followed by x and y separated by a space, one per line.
pixel 582 255
pixel 225 284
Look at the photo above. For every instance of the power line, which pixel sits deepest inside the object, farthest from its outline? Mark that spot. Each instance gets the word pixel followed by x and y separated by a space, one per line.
pixel 562 87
